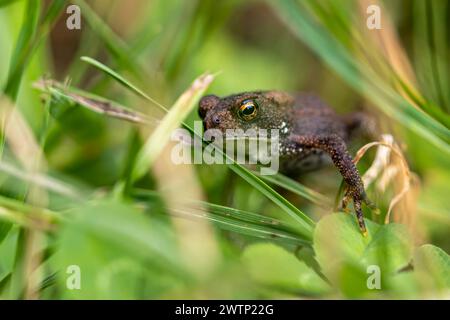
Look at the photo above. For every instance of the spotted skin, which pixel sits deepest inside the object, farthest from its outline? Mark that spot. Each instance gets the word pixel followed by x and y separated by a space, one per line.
pixel 311 133
pixel 335 146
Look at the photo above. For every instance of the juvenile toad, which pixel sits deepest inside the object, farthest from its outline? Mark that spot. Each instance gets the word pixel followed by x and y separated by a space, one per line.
pixel 310 132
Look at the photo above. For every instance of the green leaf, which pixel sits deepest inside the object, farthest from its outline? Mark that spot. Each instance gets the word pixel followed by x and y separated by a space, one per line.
pixel 128 228
pixel 4 229
pixel 273 266
pixel 342 251
pixel 432 265
pixel 8 252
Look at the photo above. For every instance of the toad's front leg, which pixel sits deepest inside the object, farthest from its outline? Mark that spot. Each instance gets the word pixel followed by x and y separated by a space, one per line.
pixel 335 146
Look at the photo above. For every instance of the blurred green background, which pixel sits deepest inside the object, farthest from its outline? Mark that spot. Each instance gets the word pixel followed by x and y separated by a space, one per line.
pixel 202 232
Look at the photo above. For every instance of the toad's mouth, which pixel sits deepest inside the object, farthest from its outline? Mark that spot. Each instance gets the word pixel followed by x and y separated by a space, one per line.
pixel 206 125
pixel 213 121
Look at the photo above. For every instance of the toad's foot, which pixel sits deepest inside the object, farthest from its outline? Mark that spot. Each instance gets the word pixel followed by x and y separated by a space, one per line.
pixel 335 146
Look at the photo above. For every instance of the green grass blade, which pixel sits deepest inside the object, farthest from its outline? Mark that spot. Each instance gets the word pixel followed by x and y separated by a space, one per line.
pixel 52 13
pixel 23 49
pixel 246 228
pixel 297 188
pixel 231 219
pixel 32 31
pixel 115 45
pixel 302 219
pixel 43 181
pixel 126 83
pixel 4 3
pixel 431 48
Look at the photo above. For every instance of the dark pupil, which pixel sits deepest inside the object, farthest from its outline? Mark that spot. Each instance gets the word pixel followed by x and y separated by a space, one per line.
pixel 248 110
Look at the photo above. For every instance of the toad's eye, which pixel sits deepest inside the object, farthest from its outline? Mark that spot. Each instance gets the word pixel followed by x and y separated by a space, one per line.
pixel 248 110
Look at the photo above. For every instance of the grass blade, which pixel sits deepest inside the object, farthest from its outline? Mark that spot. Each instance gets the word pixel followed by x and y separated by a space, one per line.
pixel 121 80
pixel 234 220
pixel 4 3
pixel 23 48
pixel 159 138
pixel 243 227
pixel 32 31
pixel 297 188
pixel 116 46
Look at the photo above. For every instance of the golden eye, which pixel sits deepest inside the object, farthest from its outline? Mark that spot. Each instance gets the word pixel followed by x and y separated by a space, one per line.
pixel 248 110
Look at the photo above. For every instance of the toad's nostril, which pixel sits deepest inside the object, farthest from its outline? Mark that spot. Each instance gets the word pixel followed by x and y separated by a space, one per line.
pixel 207 103
pixel 216 120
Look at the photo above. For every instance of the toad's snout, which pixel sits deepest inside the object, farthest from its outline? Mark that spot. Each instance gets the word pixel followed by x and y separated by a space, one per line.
pixel 206 104
pixel 212 121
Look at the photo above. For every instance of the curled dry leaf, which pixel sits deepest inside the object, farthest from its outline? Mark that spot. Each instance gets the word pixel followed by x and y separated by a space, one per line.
pixel 389 166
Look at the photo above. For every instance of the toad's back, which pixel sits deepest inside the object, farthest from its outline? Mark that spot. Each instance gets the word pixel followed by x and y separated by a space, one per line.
pixel 311 116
